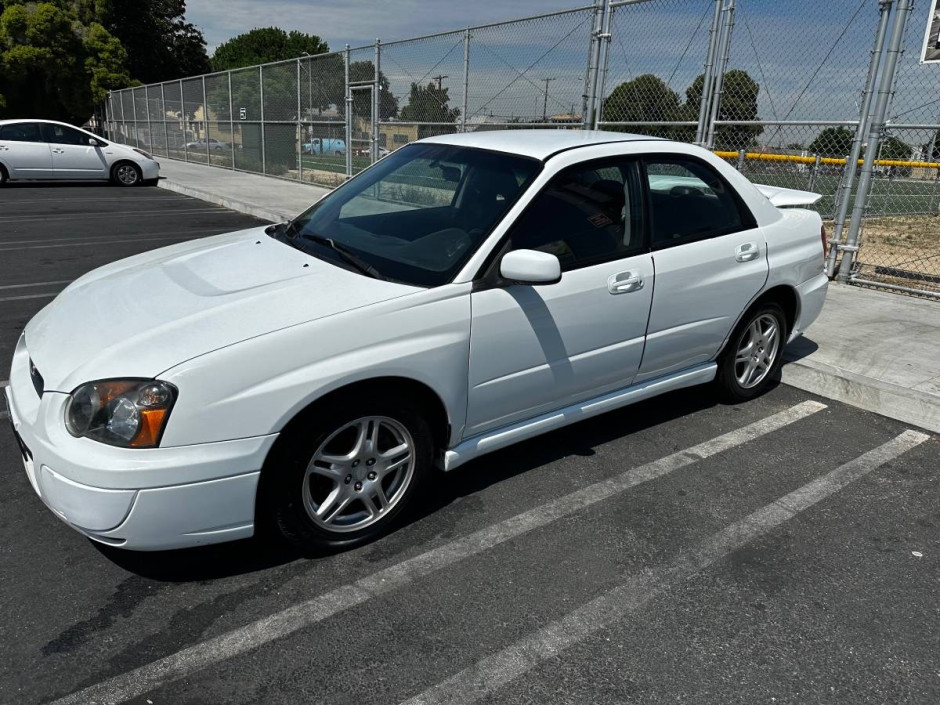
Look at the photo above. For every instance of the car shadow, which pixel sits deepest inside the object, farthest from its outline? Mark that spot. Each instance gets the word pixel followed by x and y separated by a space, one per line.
pixel 798 349
pixel 579 439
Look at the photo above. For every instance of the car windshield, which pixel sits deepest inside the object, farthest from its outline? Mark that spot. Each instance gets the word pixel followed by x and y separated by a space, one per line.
pixel 419 213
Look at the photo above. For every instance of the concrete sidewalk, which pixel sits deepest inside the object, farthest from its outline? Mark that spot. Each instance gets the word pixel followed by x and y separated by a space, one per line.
pixel 276 200
pixel 874 350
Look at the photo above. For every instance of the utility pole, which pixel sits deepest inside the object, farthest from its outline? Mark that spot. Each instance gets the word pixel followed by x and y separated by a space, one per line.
pixel 545 101
pixel 439 78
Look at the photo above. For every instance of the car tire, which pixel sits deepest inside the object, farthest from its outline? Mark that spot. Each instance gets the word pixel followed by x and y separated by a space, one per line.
pixel 126 174
pixel 4 177
pixel 754 353
pixel 317 468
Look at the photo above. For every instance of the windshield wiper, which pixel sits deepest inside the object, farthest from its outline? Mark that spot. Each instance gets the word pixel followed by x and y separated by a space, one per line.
pixel 360 264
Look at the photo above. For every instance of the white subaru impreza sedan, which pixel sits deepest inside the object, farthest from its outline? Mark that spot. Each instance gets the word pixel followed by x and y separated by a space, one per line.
pixel 464 293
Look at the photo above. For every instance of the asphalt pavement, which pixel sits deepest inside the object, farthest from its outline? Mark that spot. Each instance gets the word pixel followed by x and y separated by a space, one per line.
pixel 780 551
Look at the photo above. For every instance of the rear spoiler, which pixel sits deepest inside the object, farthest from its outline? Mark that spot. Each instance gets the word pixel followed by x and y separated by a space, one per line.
pixel 782 197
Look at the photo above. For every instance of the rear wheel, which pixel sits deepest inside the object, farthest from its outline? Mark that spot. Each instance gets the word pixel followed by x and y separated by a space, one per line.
pixel 754 354
pixel 3 175
pixel 126 174
pixel 344 478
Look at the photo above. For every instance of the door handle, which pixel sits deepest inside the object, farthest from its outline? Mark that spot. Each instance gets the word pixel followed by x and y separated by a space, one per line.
pixel 58 151
pixel 624 282
pixel 3 148
pixel 746 252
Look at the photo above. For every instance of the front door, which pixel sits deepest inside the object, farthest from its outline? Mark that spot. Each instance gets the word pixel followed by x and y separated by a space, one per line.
pixel 710 258
pixel 24 152
pixel 534 349
pixel 72 155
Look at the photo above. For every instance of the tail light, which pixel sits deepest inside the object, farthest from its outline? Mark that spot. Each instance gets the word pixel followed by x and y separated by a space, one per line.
pixel 822 234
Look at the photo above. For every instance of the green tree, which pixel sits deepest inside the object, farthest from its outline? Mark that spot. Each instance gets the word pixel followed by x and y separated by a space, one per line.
pixel 739 93
pixel 56 61
pixel 932 148
pixel 160 44
pixel 832 142
pixel 263 45
pixel 429 104
pixel 644 99
pixel 894 148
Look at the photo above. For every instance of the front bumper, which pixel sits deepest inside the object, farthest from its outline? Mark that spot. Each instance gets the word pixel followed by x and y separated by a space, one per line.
pixel 150 169
pixel 144 499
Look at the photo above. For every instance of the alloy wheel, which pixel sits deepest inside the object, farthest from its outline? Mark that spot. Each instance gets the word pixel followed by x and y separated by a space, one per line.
pixel 358 474
pixel 757 351
pixel 127 174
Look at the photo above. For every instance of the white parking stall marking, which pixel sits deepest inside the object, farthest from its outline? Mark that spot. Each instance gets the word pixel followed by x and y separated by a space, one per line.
pixel 493 672
pixel 25 286
pixel 78 243
pixel 135 214
pixel 225 646
pixel 29 296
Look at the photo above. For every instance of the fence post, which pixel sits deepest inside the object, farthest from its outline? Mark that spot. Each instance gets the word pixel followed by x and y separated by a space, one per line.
pixel 349 118
pixel 844 192
pixel 134 106
pixel 183 115
pixel 231 116
pixel 300 131
pixel 205 115
pixel 590 117
pixel 604 37
pixel 149 123
pixel 166 130
pixel 723 57
pixel 264 161
pixel 587 96
pixel 466 80
pixel 376 101
pixel 741 157
pixel 813 172
pixel 708 76
pixel 876 128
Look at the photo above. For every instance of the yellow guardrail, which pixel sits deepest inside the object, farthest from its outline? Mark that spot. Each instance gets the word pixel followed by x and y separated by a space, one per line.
pixel 796 159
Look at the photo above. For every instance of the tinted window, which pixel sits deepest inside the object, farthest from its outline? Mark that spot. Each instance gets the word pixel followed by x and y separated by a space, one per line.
pixel 60 134
pixel 21 132
pixel 418 214
pixel 689 201
pixel 585 215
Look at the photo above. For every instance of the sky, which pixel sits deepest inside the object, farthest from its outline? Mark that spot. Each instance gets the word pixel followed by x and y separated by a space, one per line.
pixel 810 57
pixel 357 21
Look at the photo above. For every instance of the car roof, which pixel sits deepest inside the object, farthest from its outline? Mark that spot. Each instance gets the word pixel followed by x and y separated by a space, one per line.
pixel 10 121
pixel 539 144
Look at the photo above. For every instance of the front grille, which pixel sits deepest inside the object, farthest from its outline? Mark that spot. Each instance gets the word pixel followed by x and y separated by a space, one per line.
pixel 39 383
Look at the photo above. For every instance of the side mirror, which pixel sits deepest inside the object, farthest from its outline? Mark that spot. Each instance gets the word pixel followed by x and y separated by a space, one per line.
pixel 530 267
pixel 93 142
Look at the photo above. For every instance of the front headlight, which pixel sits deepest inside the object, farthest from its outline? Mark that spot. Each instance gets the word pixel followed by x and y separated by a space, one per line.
pixel 121 412
pixel 140 151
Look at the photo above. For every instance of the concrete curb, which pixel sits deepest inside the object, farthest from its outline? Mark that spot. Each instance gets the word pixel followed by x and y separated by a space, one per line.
pixel 230 203
pixel 891 400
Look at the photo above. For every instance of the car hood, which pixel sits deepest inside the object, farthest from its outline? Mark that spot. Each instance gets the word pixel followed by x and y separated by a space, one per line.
pixel 141 316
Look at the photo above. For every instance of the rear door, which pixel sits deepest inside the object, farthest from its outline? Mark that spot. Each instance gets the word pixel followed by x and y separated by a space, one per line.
pixel 24 152
pixel 710 259
pixel 72 155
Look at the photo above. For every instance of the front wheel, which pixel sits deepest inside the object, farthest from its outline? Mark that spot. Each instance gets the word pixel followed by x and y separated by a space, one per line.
pixel 347 477
pixel 754 354
pixel 126 174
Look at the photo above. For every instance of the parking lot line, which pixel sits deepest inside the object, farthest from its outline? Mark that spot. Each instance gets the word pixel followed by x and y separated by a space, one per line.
pixel 251 636
pixel 103 242
pixel 29 296
pixel 136 214
pixel 23 286
pixel 493 672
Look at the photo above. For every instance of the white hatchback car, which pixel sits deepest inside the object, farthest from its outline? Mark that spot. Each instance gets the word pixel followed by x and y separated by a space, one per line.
pixel 43 149
pixel 464 293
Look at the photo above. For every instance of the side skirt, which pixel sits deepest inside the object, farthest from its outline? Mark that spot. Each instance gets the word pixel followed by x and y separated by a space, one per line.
pixel 507 435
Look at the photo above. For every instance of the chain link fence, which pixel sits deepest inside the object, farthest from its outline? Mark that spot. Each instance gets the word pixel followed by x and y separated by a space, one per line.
pixel 825 97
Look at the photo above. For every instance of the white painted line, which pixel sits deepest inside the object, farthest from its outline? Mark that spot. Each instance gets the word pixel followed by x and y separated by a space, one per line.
pixel 488 675
pixel 29 296
pixel 169 212
pixel 225 646
pixel 98 242
pixel 23 286
pixel 93 239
